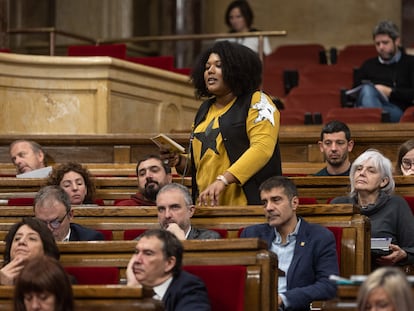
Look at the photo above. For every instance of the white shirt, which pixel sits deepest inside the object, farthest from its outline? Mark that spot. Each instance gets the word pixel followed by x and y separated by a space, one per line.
pixel 161 289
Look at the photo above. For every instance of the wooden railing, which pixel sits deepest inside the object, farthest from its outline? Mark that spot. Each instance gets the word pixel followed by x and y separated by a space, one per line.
pixel 52 32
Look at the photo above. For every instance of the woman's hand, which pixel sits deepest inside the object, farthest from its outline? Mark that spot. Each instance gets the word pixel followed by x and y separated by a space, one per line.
pixel 9 272
pixel 169 157
pixel 397 254
pixel 211 194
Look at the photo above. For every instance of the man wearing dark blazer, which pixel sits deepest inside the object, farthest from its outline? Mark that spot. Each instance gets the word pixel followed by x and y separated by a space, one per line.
pixel 175 209
pixel 306 252
pixel 52 205
pixel 157 264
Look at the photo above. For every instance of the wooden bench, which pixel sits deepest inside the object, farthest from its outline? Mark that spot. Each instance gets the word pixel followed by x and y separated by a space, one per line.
pixel 261 264
pixel 100 298
pixel 111 188
pixel 128 169
pixel 355 240
pixel 297 143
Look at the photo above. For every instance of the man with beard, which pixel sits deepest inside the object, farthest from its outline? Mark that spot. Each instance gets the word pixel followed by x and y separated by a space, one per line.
pixel 152 175
pixel 336 144
pixel 175 209
pixel 387 80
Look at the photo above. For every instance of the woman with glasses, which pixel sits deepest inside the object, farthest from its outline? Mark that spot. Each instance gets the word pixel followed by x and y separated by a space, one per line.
pixel 372 189
pixel 405 159
pixel 26 240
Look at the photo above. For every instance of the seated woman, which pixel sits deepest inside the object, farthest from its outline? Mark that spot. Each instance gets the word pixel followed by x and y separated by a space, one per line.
pixel 43 285
pixel 386 288
pixel 26 240
pixel 405 159
pixel 75 180
pixel 372 187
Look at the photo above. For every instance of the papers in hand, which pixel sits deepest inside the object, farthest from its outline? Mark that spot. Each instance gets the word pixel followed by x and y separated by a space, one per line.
pixel 381 243
pixel 164 142
pixel 39 173
pixel 354 92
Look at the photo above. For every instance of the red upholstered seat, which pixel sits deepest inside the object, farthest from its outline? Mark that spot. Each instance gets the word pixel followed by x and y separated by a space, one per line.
pixel 108 235
pixel 408 115
pixel 337 231
pixel 225 285
pixel 223 232
pixel 131 234
pixel 112 50
pixel 305 200
pixel 355 115
pixel 355 55
pixel 162 62
pixel 20 201
pixel 410 201
pixel 94 275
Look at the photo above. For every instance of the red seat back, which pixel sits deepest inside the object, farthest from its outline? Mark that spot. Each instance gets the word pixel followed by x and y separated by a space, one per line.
pixel 410 201
pixel 108 235
pixel 223 232
pixel 225 285
pixel 112 50
pixel 20 202
pixel 337 231
pixel 131 234
pixel 94 275
pixel 355 115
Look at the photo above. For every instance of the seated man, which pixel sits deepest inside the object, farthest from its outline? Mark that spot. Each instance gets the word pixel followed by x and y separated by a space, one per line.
pixel 29 159
pixel 306 252
pixel 175 209
pixel 157 264
pixel 152 174
pixel 336 144
pixel 52 205
pixel 387 81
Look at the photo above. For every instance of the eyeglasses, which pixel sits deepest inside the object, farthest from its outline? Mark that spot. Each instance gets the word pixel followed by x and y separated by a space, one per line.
pixel 407 164
pixel 55 224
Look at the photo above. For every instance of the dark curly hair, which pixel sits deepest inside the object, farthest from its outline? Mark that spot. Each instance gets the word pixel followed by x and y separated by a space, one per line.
pixel 59 171
pixel 50 247
pixel 241 68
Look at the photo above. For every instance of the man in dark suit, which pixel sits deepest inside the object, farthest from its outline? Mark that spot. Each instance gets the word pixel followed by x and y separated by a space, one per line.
pixel 52 205
pixel 157 264
pixel 306 252
pixel 175 209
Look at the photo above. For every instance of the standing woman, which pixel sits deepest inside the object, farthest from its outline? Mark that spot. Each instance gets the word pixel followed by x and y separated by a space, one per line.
pixel 234 141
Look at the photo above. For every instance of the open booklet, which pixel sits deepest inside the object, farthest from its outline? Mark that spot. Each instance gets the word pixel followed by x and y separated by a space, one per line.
pixel 164 142
pixel 354 92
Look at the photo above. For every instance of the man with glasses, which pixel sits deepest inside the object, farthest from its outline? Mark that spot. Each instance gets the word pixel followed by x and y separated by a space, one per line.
pixel 52 205
pixel 336 144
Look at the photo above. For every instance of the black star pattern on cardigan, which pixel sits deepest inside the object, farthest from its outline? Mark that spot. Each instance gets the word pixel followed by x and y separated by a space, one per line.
pixel 208 138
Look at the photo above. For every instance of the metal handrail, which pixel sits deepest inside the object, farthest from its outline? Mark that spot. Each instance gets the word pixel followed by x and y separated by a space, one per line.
pixel 53 32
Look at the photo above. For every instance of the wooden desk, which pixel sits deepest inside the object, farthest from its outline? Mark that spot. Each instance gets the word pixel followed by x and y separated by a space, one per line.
pixel 100 298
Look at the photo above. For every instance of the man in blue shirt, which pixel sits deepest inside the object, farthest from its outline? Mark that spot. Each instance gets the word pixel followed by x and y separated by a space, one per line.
pixel 306 252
